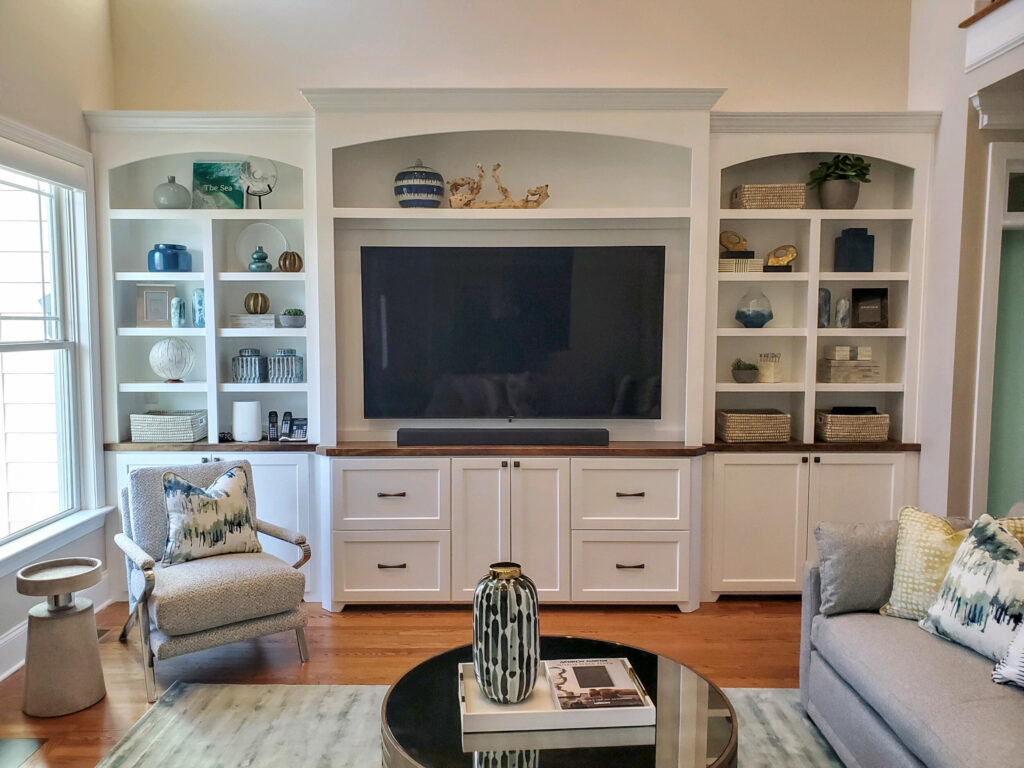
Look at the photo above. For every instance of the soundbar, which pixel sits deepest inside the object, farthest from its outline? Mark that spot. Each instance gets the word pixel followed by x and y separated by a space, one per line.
pixel 415 436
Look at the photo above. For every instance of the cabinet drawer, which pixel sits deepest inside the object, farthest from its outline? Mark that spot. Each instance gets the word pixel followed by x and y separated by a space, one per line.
pixel 631 493
pixel 388 566
pixel 374 494
pixel 630 566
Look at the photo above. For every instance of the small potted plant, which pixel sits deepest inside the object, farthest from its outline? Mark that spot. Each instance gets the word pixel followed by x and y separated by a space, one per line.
pixel 743 372
pixel 838 180
pixel 293 318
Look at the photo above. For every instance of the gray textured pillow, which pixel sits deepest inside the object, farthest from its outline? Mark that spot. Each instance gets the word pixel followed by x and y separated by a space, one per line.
pixel 857 562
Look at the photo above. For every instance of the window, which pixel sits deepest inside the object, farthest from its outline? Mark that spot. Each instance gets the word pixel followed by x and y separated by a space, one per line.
pixel 38 457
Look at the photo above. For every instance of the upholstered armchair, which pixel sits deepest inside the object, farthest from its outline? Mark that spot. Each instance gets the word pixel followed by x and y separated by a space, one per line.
pixel 207 602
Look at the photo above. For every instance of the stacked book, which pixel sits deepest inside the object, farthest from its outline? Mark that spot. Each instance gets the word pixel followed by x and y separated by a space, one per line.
pixel 843 364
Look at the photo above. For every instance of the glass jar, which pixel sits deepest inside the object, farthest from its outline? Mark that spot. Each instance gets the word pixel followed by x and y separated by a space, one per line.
pixel 754 309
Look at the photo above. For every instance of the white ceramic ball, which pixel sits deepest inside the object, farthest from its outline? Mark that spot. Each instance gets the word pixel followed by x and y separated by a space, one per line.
pixel 171 359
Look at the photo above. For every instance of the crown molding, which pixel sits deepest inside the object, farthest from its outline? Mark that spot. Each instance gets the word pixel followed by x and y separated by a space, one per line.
pixel 42 142
pixel 999 107
pixel 509 99
pixel 825 122
pixel 119 121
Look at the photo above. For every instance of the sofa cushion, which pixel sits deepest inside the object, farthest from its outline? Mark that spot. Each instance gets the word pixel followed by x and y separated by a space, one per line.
pixel 856 565
pixel 981 602
pixel 938 697
pixel 221 590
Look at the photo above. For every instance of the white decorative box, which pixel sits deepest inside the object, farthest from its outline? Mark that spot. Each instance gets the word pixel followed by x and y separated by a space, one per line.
pixel 251 321
pixel 539 712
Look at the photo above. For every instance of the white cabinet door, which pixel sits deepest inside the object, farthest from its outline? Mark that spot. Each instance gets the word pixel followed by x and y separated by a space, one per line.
pixel 854 488
pixel 480 520
pixel 759 522
pixel 282 498
pixel 540 524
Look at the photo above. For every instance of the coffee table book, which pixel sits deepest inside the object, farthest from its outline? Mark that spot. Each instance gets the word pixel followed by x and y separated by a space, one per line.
pixel 539 712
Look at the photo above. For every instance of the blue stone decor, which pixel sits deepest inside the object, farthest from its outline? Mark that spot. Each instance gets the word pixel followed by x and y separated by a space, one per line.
pixel 419 187
pixel 824 307
pixel 177 312
pixel 506 634
pixel 198 308
pixel 855 251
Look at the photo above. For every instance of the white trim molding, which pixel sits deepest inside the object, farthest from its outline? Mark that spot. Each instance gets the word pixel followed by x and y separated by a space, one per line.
pixel 994 35
pixel 30 137
pixel 36 545
pixel 825 122
pixel 1000 107
pixel 510 99
pixel 205 122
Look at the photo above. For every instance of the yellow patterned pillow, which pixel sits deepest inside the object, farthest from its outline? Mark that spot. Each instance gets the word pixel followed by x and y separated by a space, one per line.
pixel 925 547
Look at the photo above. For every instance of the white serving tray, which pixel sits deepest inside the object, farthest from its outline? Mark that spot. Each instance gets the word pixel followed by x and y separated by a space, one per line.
pixel 539 712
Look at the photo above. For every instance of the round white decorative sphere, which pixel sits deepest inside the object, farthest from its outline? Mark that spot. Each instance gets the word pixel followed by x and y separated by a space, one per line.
pixel 171 359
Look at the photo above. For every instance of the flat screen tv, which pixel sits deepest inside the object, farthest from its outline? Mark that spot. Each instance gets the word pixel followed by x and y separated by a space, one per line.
pixel 513 332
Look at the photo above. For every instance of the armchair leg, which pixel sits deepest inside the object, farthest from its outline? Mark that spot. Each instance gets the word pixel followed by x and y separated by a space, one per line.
pixel 123 637
pixel 300 635
pixel 147 653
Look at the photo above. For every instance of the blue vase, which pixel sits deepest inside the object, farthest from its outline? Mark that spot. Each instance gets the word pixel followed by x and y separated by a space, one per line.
pixel 168 257
pixel 419 187
pixel 259 261
pixel 754 310
pixel 198 308
pixel 177 312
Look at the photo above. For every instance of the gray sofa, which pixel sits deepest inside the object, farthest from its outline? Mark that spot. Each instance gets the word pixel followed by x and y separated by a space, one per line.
pixel 884 692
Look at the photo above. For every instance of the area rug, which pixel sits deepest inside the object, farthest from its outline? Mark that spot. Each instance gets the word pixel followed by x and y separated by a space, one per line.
pixel 228 726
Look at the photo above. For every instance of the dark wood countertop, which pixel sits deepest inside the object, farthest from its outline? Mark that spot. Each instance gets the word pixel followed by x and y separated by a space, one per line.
pixel 889 446
pixel 202 446
pixel 616 448
pixel 982 13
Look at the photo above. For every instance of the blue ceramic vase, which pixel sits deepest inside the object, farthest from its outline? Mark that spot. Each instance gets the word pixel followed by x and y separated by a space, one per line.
pixel 177 312
pixel 260 261
pixel 419 187
pixel 198 308
pixel 169 257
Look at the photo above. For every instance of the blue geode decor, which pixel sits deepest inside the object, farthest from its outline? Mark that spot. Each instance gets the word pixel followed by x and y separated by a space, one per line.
pixel 419 187
pixel 754 310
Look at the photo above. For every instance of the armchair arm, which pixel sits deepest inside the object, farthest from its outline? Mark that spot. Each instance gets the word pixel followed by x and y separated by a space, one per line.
pixel 811 605
pixel 292 537
pixel 141 560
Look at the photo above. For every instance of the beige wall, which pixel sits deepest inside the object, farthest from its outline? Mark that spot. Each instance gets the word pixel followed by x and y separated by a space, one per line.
pixel 55 60
pixel 256 54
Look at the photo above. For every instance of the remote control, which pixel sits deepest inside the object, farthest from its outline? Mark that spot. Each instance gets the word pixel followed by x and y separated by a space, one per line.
pixel 272 433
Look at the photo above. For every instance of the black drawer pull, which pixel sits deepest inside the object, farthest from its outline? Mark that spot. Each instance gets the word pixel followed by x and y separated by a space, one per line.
pixel 382 566
pixel 622 567
pixel 382 495
pixel 638 494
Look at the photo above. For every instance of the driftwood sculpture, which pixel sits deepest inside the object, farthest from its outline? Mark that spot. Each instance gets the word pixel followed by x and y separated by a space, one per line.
pixel 535 196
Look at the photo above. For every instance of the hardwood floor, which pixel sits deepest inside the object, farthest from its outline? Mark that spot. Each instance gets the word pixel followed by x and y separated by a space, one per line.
pixel 734 642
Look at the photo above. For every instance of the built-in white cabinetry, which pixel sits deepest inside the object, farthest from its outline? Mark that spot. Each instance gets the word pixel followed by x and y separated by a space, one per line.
pixel 584 529
pixel 766 506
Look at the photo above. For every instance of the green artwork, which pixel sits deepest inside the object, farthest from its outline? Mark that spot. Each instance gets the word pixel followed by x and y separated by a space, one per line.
pixel 217 185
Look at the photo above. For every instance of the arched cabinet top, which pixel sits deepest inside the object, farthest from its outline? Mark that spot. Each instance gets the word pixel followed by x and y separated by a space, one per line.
pixel 582 170
pixel 131 185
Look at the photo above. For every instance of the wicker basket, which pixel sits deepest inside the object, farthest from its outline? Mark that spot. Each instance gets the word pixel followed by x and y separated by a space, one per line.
pixel 168 426
pixel 757 425
pixel 768 196
pixel 851 428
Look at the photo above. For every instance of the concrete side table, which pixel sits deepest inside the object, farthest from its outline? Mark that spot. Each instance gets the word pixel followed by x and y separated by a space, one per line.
pixel 62 660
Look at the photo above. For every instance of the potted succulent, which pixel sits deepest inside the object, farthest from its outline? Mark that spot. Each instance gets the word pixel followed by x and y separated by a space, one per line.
pixel 293 318
pixel 838 180
pixel 743 372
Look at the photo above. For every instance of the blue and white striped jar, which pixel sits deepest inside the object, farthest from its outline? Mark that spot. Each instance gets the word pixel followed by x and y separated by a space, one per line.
pixel 419 187
pixel 506 634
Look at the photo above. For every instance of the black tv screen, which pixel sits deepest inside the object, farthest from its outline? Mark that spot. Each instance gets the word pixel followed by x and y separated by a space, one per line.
pixel 513 332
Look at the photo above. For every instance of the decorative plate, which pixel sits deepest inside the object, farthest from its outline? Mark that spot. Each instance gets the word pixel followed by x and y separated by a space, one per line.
pixel 261 233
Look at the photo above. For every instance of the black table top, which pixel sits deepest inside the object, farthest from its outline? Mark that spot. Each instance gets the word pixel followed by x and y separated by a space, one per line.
pixel 696 724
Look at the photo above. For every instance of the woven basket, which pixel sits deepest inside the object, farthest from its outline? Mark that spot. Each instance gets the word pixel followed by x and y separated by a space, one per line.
pixel 768 196
pixel 757 425
pixel 168 426
pixel 850 428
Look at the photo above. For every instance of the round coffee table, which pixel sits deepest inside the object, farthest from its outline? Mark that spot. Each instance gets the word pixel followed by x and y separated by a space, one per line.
pixel 696 724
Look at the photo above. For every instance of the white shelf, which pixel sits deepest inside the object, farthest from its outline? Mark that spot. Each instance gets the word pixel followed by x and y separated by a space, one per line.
pixel 812 214
pixel 161 331
pixel 260 277
pixel 204 214
pixel 762 277
pixel 160 386
pixel 493 218
pixel 263 387
pixel 752 332
pixel 159 277
pixel 862 331
pixel 879 387
pixel 260 333
pixel 783 386
pixel 863 277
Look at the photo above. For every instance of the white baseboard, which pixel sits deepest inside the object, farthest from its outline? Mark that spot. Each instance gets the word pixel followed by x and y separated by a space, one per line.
pixel 12 642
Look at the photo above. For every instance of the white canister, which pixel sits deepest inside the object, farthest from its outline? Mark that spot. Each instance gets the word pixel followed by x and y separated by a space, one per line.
pixel 247 421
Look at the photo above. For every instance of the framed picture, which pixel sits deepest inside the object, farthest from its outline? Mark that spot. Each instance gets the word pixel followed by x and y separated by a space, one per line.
pixel 870 308
pixel 217 185
pixel 153 309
